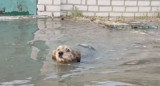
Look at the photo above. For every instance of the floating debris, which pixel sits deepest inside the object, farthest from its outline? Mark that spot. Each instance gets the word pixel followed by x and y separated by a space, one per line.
pixel 138 25
pixel 153 27
pixel 133 62
pixel 131 25
pixel 87 46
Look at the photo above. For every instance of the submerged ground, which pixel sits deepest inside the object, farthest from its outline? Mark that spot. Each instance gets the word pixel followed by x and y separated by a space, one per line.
pixel 121 58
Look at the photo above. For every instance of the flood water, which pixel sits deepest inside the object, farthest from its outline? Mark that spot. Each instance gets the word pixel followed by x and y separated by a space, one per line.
pixel 121 57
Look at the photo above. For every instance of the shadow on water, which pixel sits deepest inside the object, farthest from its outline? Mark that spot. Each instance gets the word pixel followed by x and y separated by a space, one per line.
pixel 118 58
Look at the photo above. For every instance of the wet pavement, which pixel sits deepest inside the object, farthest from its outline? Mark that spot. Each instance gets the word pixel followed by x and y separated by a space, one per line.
pixel 121 57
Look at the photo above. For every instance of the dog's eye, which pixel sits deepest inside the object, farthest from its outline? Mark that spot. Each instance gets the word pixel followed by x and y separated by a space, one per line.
pixel 67 50
pixel 58 49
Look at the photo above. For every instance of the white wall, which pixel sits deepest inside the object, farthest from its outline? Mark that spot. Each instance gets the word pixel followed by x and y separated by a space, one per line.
pixel 104 8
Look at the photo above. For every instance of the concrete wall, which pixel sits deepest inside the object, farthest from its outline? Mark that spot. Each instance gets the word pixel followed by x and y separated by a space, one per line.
pixel 104 8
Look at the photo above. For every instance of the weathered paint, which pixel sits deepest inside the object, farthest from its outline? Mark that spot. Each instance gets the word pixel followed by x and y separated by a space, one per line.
pixel 18 7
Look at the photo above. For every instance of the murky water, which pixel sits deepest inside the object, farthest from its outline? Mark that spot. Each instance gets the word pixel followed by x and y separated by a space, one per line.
pixel 121 57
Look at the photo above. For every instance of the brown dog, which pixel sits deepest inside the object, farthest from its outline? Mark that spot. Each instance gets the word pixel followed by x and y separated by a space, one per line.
pixel 64 54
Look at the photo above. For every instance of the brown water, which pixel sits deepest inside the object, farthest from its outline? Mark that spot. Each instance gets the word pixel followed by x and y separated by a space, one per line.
pixel 121 57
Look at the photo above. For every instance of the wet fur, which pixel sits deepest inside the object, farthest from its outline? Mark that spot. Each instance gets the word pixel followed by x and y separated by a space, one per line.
pixel 67 57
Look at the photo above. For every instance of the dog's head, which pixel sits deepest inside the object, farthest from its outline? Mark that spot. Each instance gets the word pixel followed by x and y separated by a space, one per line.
pixel 64 54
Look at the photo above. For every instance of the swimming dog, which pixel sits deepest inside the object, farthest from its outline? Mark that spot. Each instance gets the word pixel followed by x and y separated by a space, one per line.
pixel 64 54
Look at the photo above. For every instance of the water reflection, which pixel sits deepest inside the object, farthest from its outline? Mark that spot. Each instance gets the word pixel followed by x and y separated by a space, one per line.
pixel 47 33
pixel 15 64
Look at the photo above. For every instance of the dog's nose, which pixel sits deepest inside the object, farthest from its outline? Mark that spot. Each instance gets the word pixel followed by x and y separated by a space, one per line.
pixel 60 53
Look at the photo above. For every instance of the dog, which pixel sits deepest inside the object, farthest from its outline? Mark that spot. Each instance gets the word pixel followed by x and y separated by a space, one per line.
pixel 64 54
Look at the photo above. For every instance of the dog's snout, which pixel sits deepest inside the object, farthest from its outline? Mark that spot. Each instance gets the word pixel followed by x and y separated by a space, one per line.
pixel 60 53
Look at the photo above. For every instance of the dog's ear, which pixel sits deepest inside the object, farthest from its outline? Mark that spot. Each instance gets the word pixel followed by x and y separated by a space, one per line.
pixel 54 55
pixel 77 54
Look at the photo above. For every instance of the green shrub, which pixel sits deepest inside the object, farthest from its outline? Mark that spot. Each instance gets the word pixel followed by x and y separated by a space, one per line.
pixel 75 12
